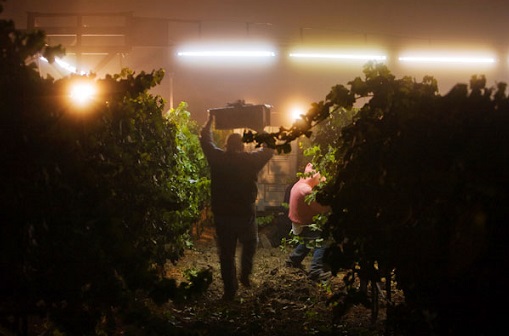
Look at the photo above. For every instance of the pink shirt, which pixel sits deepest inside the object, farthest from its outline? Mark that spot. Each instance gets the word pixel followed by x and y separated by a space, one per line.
pixel 300 212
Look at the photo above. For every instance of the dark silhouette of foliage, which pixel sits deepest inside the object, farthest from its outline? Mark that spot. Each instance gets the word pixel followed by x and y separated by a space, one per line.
pixel 95 200
pixel 421 188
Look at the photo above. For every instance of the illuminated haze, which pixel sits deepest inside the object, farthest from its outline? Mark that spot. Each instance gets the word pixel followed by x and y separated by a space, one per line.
pixel 393 27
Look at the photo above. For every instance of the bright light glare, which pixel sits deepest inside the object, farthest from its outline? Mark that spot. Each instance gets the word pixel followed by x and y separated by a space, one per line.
pixel 339 56
pixel 228 53
pixel 444 59
pixel 297 112
pixel 82 93
pixel 64 65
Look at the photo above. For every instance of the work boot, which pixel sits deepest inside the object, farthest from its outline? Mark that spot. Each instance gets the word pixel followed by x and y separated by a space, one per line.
pixel 229 296
pixel 320 276
pixel 244 280
pixel 291 264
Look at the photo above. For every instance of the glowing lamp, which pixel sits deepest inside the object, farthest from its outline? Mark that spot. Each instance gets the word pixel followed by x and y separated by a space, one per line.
pixel 334 56
pixel 446 59
pixel 82 93
pixel 228 53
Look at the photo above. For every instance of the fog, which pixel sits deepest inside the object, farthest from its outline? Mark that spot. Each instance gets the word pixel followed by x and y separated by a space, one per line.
pixel 155 30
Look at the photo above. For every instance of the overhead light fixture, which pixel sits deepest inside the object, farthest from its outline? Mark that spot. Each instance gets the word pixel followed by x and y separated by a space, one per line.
pixel 365 57
pixel 446 59
pixel 226 50
pixel 227 53
pixel 64 65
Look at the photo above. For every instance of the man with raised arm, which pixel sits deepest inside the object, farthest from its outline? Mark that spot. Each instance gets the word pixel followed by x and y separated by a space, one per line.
pixel 234 175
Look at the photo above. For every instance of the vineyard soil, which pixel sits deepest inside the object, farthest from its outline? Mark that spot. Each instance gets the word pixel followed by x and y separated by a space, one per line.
pixel 281 300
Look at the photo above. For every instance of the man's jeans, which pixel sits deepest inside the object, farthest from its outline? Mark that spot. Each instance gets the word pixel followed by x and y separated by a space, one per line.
pixel 301 251
pixel 229 230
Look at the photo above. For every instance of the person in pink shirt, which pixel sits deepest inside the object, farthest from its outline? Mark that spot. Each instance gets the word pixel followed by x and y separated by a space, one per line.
pixel 301 213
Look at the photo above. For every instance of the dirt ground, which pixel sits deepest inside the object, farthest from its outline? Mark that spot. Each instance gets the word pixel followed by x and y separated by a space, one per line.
pixel 281 300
